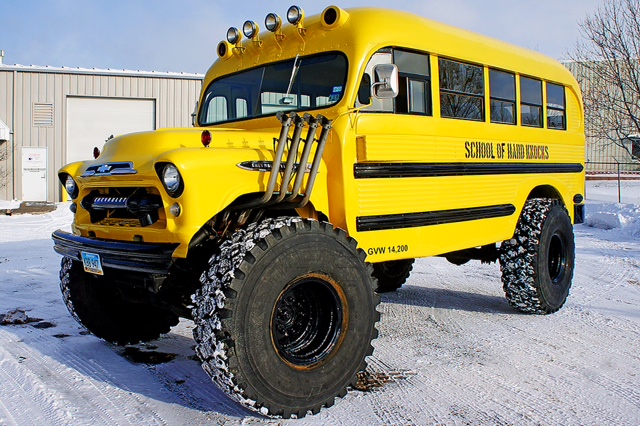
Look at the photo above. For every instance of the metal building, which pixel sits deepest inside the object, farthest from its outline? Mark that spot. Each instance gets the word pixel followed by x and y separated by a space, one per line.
pixel 53 116
pixel 602 155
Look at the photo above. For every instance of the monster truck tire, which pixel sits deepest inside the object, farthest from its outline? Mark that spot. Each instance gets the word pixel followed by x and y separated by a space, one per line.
pixel 95 303
pixel 285 316
pixel 537 264
pixel 392 274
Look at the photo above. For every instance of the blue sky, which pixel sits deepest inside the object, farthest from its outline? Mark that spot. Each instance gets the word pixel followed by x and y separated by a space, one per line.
pixel 181 36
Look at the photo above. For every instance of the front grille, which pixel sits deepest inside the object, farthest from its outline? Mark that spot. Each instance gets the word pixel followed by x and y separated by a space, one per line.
pixel 129 207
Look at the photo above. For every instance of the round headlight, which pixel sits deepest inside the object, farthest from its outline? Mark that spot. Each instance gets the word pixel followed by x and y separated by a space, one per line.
pixel 233 35
pixel 294 15
pixel 71 187
pixel 250 29
pixel 272 22
pixel 172 180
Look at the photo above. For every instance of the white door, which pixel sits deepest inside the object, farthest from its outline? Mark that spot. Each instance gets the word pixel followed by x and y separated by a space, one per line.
pixel 90 121
pixel 34 173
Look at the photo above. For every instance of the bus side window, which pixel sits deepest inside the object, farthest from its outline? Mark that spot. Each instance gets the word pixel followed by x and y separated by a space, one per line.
pixel 461 90
pixel 531 101
pixel 502 87
pixel 382 56
pixel 556 108
pixel 415 77
pixel 415 87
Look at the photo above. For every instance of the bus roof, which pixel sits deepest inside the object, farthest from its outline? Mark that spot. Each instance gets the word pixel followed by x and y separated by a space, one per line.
pixel 366 30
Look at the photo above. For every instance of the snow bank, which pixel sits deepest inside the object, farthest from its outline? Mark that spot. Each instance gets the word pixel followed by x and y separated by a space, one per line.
pixel 622 217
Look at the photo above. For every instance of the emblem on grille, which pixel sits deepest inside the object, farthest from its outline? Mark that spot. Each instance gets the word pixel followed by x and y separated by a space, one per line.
pixel 124 168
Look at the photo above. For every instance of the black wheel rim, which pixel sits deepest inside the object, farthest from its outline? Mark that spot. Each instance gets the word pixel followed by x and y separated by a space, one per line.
pixel 557 258
pixel 308 321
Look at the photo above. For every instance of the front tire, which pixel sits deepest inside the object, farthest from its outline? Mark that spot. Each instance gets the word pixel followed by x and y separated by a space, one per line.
pixel 286 316
pixel 97 305
pixel 537 264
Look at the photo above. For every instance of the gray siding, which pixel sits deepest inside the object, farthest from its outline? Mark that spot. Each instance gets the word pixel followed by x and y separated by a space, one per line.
pixel 602 155
pixel 21 87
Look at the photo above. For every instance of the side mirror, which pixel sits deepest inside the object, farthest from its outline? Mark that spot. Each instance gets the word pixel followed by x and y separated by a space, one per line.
pixel 364 91
pixel 194 114
pixel 386 85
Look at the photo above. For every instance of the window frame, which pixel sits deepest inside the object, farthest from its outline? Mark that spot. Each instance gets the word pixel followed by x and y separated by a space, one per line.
pixel 513 102
pixel 563 110
pixel 405 85
pixel 452 92
pixel 524 103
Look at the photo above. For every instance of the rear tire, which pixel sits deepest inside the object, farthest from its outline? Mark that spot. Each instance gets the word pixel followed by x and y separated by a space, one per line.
pixel 392 274
pixel 286 316
pixel 537 264
pixel 96 304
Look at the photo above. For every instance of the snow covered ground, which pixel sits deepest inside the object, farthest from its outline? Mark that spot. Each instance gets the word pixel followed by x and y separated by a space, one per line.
pixel 451 351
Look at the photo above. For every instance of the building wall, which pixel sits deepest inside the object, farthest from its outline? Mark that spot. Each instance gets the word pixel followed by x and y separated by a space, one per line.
pixel 602 155
pixel 175 96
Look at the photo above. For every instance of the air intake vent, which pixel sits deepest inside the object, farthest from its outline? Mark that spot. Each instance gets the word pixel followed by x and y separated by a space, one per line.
pixel 42 115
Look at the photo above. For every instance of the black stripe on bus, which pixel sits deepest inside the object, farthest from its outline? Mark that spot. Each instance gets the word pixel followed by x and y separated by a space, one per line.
pixel 413 220
pixel 399 170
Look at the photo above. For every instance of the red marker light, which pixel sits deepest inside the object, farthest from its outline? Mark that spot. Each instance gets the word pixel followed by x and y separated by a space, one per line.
pixel 96 152
pixel 206 138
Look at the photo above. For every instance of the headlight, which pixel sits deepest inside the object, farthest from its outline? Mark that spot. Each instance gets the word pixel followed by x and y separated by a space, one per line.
pixel 294 15
pixel 71 187
pixel 272 22
pixel 250 29
pixel 172 180
pixel 233 35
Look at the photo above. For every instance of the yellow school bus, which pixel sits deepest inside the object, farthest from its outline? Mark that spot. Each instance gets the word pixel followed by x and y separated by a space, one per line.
pixel 328 152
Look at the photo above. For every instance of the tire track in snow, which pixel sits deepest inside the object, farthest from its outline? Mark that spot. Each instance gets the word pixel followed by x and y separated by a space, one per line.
pixel 32 399
pixel 95 384
pixel 531 401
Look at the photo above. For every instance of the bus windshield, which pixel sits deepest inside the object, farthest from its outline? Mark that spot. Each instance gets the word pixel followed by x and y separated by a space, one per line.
pixel 299 84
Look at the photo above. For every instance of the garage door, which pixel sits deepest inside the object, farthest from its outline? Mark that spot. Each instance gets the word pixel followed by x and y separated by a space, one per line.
pixel 90 121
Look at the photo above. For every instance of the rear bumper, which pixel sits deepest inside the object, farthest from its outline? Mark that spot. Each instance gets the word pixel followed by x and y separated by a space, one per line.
pixel 138 257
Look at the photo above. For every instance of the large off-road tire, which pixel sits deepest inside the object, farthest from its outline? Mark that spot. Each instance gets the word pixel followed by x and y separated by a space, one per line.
pixel 96 304
pixel 285 316
pixel 537 264
pixel 392 274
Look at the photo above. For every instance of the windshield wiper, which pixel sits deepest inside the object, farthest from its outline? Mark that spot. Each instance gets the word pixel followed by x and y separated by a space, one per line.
pixel 288 100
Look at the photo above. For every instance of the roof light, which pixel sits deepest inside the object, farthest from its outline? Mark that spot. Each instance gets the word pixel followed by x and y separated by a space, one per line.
pixel 250 29
pixel 272 22
pixel 233 35
pixel 295 15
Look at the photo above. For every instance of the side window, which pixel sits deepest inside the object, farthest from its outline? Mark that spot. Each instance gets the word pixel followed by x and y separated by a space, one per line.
pixel 531 102
pixel 461 90
pixel 415 93
pixel 414 76
pixel 382 56
pixel 556 109
pixel 217 109
pixel 502 87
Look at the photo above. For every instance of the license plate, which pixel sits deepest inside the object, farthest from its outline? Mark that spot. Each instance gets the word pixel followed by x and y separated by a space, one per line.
pixel 92 264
